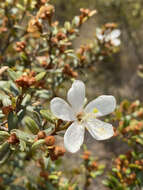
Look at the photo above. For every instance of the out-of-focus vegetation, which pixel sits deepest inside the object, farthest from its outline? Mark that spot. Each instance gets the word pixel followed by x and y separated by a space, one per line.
pixel 129 17
pixel 44 48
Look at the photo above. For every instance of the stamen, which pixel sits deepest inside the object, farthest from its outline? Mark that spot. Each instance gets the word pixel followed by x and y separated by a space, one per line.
pixel 95 110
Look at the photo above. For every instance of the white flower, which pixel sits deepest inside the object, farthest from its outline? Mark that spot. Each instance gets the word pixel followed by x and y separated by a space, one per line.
pixel 109 36
pixel 83 117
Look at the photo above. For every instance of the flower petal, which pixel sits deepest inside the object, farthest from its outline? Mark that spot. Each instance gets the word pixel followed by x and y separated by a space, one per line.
pixel 116 42
pixel 61 109
pixel 103 104
pixel 74 137
pixel 99 129
pixel 115 34
pixel 76 95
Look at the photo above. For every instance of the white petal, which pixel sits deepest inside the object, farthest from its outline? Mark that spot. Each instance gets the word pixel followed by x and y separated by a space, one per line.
pixel 74 136
pixel 99 129
pixel 61 109
pixel 99 34
pixel 76 95
pixel 115 34
pixel 104 104
pixel 116 42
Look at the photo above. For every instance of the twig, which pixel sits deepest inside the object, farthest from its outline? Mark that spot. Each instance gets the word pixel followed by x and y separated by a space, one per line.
pixel 2 127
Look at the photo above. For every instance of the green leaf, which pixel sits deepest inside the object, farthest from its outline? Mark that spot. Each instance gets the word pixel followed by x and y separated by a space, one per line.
pixel 67 25
pixel 14 89
pixel 26 100
pixel 21 114
pixel 50 186
pixel 22 145
pixel 23 135
pixel 76 21
pixel 31 124
pixel 40 76
pixel 12 121
pixel 4 135
pixel 37 144
pixel 6 101
pixel 4 152
pixel 12 74
pixel 97 173
pixel 47 115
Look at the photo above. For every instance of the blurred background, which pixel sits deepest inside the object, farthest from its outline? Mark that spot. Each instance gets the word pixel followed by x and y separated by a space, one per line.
pixel 121 71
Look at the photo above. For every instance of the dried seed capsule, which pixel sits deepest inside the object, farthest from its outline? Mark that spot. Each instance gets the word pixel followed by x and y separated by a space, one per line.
pixel 50 140
pixel 41 135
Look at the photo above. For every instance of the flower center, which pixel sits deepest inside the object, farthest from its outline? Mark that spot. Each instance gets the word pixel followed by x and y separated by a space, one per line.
pixel 80 116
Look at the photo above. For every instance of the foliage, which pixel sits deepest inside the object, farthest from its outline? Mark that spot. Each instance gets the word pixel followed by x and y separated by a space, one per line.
pixel 38 61
pixel 127 168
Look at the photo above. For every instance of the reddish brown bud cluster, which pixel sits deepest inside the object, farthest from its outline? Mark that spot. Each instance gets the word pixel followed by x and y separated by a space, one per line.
pixel 110 25
pixel 133 106
pixel 56 152
pixel 58 37
pixel 82 51
pixel 69 71
pixel 50 140
pixel 140 113
pixel 13 139
pixel 26 81
pixel 41 135
pixel 34 25
pixel 44 174
pixel 86 13
pixel 3 27
pixel 86 155
pixel 123 164
pixel 20 46
pixel 140 68
pixel 46 11
pixel 133 128
pixel 7 109
pixel 130 179
pixel 94 165
pixel 41 2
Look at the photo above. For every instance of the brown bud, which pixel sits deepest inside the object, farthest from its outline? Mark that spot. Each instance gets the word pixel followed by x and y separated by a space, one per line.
pixel 118 161
pixel 132 176
pixel 115 132
pixel 50 140
pixel 60 36
pixel 59 151
pixel 137 162
pixel 7 109
pixel 110 25
pixel 69 71
pixel 129 155
pixel 25 81
pixel 34 25
pixel 124 169
pixel 86 155
pixel 13 139
pixel 44 174
pixel 94 165
pixel 36 139
pixel 41 135
pixel 46 11
pixel 126 163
